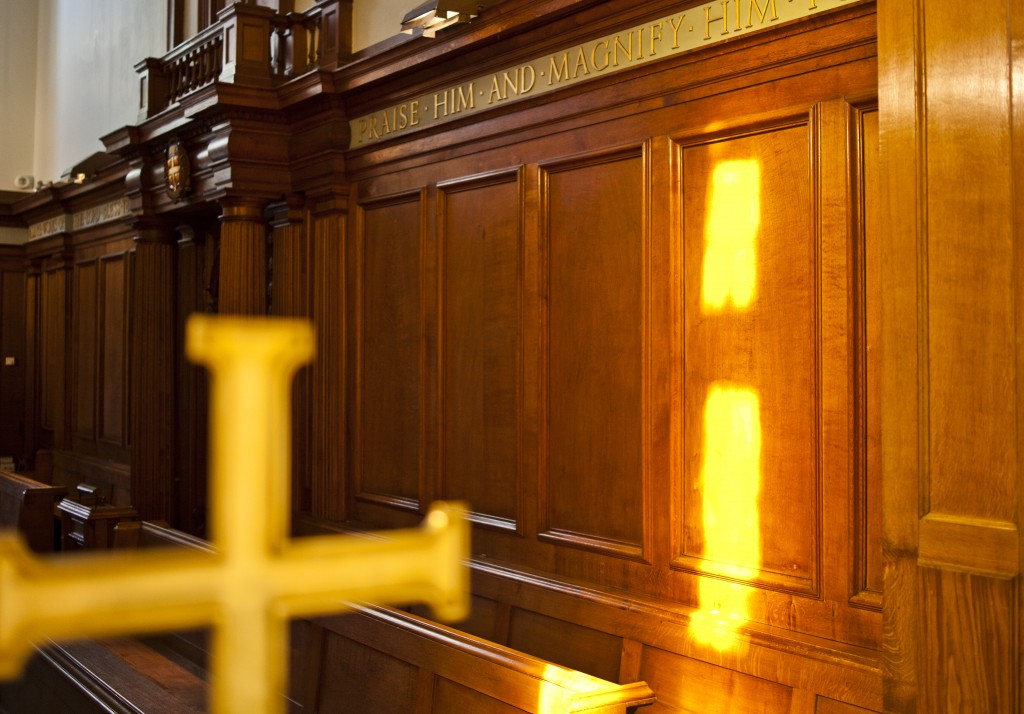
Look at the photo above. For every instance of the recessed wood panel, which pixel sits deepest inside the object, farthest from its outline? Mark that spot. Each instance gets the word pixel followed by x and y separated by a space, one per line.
pixel 12 376
pixel 569 644
pixel 361 679
pixel 481 245
pixel 113 382
pixel 689 685
pixel 750 403
pixel 596 251
pixel 86 320
pixel 391 351
pixel 52 347
pixel 452 697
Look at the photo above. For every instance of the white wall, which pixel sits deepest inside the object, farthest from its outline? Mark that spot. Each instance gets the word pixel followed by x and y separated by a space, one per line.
pixel 86 84
pixel 67 72
pixel 18 19
pixel 376 20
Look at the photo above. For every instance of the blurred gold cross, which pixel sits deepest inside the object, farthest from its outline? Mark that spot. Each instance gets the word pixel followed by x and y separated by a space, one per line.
pixel 256 578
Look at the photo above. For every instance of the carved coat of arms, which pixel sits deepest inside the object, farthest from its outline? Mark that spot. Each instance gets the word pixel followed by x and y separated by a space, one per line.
pixel 177 171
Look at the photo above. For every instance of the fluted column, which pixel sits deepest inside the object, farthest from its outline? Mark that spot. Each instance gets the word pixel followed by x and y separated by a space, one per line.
pixel 291 296
pixel 329 433
pixel 243 258
pixel 153 350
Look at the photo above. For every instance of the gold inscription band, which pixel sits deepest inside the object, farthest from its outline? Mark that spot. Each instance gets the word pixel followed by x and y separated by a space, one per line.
pixel 685 31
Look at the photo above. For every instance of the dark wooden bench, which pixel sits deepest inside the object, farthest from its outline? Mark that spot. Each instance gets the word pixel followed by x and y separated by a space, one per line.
pixel 28 506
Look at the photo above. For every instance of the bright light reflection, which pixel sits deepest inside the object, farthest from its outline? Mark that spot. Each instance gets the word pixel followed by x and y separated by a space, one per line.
pixel 557 685
pixel 730 231
pixel 730 481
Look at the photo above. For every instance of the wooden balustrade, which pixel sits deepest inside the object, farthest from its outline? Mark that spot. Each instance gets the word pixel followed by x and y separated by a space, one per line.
pixel 248 45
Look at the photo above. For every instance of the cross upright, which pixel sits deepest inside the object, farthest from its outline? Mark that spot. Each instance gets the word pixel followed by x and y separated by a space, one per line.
pixel 256 578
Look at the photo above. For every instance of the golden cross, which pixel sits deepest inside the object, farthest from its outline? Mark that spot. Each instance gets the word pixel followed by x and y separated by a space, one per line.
pixel 257 577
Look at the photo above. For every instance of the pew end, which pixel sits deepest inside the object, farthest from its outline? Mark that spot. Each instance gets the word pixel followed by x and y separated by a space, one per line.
pixel 28 506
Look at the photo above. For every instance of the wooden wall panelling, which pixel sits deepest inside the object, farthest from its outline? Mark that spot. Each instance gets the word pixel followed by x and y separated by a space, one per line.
pixel 596 358
pixel 195 250
pixel 684 684
pixel 153 355
pixel 867 492
pixel 54 360
pixel 751 363
pixel 951 397
pixel 390 458
pixel 32 363
pixel 13 385
pixel 85 328
pixel 328 267
pixel 480 415
pixel 569 644
pixel 291 296
pixel 112 392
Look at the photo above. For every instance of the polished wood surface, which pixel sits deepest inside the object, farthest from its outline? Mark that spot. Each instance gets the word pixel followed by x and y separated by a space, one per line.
pixel 518 309
pixel 28 506
pixel 951 324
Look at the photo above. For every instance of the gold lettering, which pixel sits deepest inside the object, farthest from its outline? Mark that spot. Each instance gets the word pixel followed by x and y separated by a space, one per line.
pixel 374 132
pixel 607 56
pixel 655 36
pixel 582 60
pixel 441 101
pixel 814 5
pixel 639 43
pixel 739 22
pixel 466 99
pixel 527 78
pixel 761 13
pixel 675 29
pixel 363 127
pixel 403 116
pixel 385 125
pixel 414 118
pixel 559 70
pixel 509 83
pixel 618 45
pixel 495 90
pixel 708 20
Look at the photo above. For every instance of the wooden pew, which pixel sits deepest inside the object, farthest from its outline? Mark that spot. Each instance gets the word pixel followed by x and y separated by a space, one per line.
pixel 376 659
pixel 28 505
pixel 384 660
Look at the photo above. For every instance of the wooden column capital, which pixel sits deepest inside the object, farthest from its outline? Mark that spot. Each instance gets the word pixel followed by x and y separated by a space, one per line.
pixel 327 204
pixel 291 211
pixel 243 256
pixel 235 209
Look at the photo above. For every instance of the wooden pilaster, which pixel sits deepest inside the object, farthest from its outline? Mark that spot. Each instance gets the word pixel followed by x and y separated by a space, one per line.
pixel 153 349
pixel 952 127
pixel 291 296
pixel 243 258
pixel 328 428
